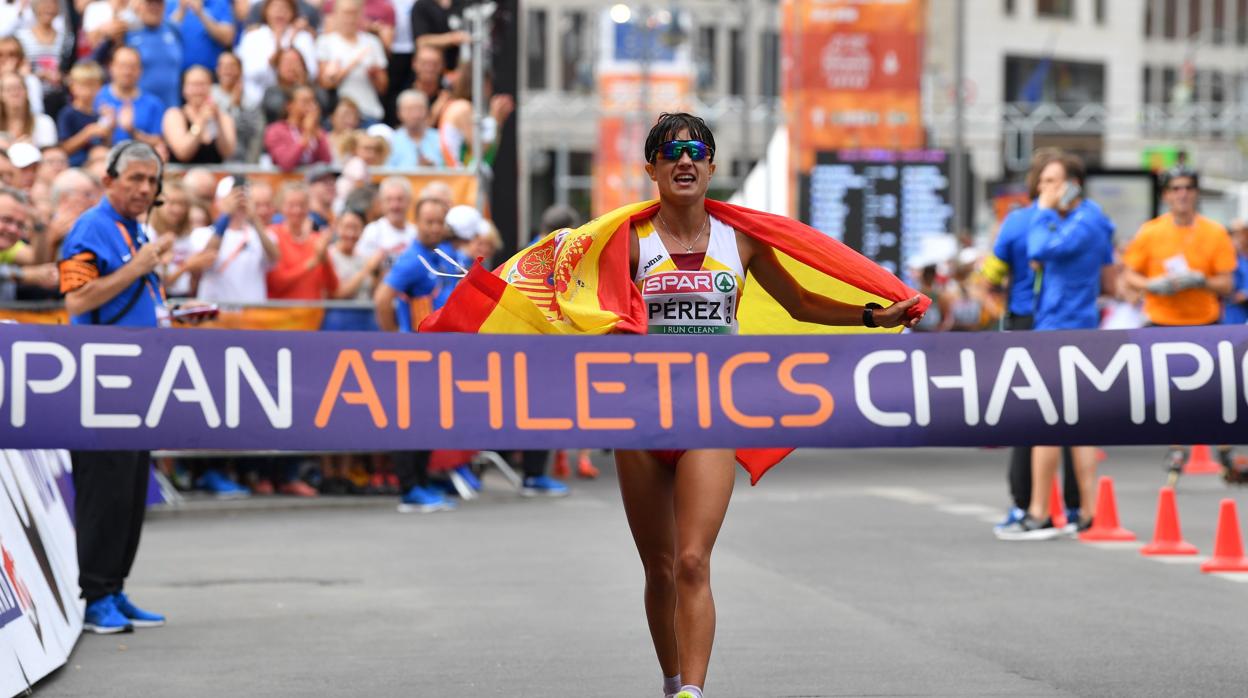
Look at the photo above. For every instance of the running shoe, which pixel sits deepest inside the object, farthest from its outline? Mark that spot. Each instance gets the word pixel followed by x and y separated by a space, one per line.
pixel 543 486
pixel 1072 521
pixel 263 487
pixel 217 484
pixel 1175 458
pixel 585 468
pixel 1029 529
pixel 103 618
pixel 424 500
pixel 1013 517
pixel 560 469
pixel 137 616
pixel 465 471
pixel 298 488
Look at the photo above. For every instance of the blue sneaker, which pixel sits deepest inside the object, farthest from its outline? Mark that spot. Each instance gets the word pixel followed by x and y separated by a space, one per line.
pixel 424 500
pixel 465 471
pixel 103 618
pixel 1014 517
pixel 543 486
pixel 216 483
pixel 137 616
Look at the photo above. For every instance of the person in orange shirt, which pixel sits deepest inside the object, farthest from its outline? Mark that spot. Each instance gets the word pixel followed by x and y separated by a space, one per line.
pixel 1183 263
pixel 303 270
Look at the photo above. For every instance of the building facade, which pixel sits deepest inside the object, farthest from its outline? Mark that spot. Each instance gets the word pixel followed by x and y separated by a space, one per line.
pixel 1116 81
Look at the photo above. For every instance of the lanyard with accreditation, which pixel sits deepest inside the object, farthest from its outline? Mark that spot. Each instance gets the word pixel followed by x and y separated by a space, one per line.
pixel 153 288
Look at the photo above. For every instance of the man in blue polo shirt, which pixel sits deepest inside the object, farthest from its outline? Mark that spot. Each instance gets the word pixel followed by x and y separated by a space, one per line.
pixel 160 51
pixel 207 28
pixel 137 114
pixel 108 275
pixel 412 284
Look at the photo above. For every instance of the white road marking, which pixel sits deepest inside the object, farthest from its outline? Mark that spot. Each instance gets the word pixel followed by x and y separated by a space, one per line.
pixel 1239 577
pixel 972 510
pixel 1178 559
pixel 909 495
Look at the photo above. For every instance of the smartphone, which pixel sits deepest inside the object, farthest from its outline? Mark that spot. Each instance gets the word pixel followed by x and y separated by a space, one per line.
pixel 1071 192
pixel 195 313
pixel 240 181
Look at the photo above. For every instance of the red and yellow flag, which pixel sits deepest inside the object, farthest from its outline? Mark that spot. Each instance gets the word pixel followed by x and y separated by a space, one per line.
pixel 578 282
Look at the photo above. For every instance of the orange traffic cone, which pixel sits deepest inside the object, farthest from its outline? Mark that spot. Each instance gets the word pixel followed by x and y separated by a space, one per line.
pixel 1057 508
pixel 1228 547
pixel 1167 540
pixel 1201 462
pixel 1101 455
pixel 1105 523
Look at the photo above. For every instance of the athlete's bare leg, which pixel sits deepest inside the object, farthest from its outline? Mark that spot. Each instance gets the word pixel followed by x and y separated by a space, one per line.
pixel 704 480
pixel 646 488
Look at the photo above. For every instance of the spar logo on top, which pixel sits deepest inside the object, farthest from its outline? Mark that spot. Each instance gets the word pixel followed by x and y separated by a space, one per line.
pixel 691 302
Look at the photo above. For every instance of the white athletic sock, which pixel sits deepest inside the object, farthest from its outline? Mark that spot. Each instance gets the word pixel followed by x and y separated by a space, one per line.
pixel 671 685
pixel 697 692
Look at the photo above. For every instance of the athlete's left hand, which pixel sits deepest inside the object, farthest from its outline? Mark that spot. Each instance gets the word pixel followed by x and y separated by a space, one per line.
pixel 898 314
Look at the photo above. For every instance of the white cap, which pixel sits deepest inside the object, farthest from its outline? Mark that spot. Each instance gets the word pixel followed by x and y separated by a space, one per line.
pixel 23 155
pixel 224 187
pixel 466 222
pixel 381 130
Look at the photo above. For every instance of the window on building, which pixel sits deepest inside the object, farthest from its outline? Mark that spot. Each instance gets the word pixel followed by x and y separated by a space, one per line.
pixel 1149 21
pixel 1241 23
pixel 1146 90
pixel 1170 19
pixel 577 71
pixel 536 58
pixel 1061 9
pixel 1070 84
pixel 736 71
pixel 1169 77
pixel 1009 8
pixel 769 78
pixel 1218 26
pixel 1194 18
pixel 1098 11
pixel 1217 88
pixel 705 52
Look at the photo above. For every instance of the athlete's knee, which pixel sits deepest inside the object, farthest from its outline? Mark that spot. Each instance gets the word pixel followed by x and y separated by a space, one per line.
pixel 660 569
pixel 693 568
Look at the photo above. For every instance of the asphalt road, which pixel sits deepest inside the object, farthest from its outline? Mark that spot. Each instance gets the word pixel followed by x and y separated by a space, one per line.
pixel 870 573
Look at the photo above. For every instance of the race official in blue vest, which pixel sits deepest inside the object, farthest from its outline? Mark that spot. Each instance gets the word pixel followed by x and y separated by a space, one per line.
pixel 108 277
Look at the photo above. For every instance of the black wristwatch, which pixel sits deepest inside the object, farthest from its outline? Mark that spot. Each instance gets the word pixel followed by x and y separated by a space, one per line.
pixel 868 314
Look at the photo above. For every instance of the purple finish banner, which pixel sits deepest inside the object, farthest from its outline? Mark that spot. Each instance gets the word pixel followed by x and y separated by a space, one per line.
pixel 117 388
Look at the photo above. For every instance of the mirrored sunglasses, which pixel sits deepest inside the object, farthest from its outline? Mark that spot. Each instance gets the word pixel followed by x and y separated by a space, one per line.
pixel 672 150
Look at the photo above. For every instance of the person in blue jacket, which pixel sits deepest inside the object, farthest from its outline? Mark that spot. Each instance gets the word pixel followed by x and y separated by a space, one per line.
pixel 1010 264
pixel 1070 244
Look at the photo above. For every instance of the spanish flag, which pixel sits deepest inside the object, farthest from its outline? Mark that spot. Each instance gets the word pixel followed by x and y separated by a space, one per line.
pixel 578 282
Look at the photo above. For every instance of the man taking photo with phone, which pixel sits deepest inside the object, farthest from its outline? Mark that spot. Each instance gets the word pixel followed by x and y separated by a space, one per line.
pixel 1070 244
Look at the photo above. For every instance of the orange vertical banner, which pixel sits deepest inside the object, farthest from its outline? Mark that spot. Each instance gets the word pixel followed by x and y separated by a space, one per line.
pixel 851 75
pixel 644 68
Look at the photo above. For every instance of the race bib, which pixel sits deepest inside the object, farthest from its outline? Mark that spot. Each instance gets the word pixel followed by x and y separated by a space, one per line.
pixel 691 302
pixel 1176 264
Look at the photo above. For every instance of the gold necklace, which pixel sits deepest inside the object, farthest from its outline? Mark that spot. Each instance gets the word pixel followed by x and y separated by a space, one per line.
pixel 688 248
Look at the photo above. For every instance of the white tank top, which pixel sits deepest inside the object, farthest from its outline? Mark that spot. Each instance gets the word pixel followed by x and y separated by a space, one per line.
pixel 690 302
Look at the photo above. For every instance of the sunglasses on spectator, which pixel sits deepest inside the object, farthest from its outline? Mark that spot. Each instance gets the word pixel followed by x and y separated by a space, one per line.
pixel 1181 187
pixel 672 150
